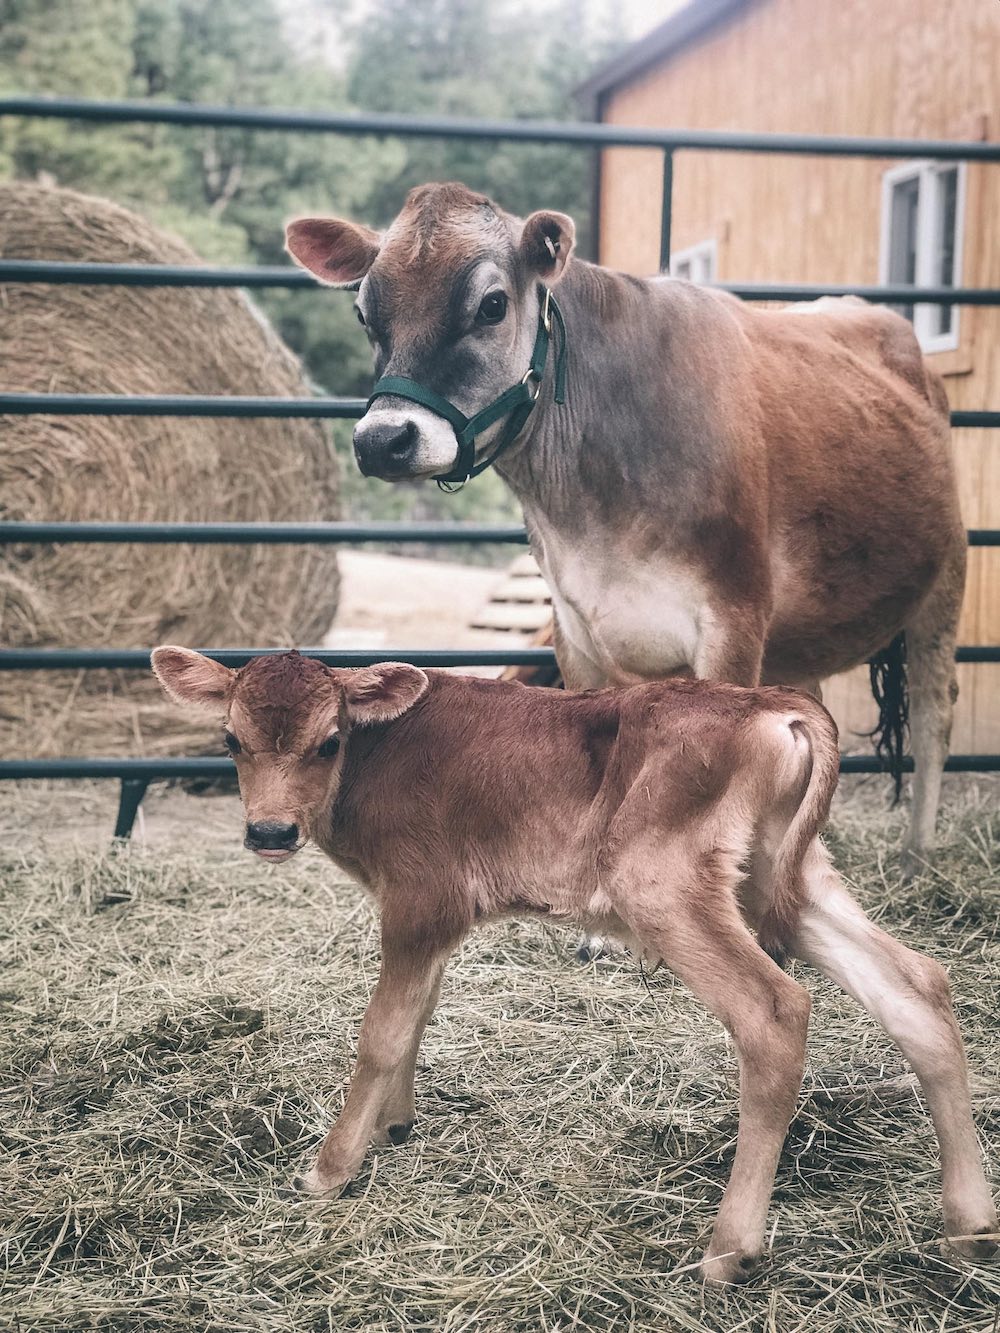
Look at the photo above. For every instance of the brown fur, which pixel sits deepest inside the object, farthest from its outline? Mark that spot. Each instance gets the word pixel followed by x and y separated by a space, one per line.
pixel 676 814
pixel 789 469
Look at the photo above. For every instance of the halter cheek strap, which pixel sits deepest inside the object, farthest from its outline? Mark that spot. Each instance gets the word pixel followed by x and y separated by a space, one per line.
pixel 514 403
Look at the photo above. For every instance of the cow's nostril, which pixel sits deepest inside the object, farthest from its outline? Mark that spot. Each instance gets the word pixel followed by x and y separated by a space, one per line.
pixel 400 444
pixel 269 835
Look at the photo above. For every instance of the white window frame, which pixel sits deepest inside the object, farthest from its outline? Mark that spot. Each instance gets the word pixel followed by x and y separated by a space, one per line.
pixel 705 251
pixel 927 174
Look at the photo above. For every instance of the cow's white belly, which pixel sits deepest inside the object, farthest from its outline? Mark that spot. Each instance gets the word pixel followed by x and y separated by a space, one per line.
pixel 625 617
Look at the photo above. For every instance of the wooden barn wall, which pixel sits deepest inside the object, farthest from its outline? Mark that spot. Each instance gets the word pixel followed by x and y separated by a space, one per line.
pixel 906 68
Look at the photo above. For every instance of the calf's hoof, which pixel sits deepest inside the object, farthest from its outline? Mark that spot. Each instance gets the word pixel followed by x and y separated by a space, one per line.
pixel 733 1267
pixel 391 1136
pixel 316 1184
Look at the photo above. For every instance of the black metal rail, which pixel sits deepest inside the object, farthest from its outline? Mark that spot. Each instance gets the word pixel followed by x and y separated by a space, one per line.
pixel 287 533
pixel 173 275
pixel 177 405
pixel 293 533
pixel 147 770
pixel 135 774
pixel 137 659
pixel 586 134
pixel 230 405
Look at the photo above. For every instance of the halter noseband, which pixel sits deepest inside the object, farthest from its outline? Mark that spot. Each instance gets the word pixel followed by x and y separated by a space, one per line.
pixel 515 403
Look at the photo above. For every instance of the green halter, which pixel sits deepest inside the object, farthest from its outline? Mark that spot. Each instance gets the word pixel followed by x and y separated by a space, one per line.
pixel 516 403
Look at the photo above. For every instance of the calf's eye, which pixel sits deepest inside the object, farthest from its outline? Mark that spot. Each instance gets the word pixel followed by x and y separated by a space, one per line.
pixel 232 744
pixel 329 747
pixel 492 308
pixel 361 318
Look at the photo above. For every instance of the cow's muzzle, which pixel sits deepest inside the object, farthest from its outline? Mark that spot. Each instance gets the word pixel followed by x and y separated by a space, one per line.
pixel 386 449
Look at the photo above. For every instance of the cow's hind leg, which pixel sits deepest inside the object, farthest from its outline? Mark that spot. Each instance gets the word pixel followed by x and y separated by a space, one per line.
pixel 692 922
pixel 933 688
pixel 909 996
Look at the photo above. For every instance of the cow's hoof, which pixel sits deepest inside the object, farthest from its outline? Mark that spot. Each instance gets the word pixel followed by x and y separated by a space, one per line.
pixel 733 1268
pixel 594 947
pixel 980 1244
pixel 912 864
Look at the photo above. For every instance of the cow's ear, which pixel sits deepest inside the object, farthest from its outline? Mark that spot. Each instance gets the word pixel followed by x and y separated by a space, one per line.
pixel 546 244
pixel 192 678
pixel 381 693
pixel 339 253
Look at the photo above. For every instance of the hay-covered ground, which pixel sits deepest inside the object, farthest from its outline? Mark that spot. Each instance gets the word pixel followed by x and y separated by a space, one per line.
pixel 178 1020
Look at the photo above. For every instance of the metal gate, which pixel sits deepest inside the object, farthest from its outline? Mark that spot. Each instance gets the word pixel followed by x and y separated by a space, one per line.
pixel 135 774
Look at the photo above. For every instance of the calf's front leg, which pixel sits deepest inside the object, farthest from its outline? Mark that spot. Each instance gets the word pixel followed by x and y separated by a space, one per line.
pixel 379 1102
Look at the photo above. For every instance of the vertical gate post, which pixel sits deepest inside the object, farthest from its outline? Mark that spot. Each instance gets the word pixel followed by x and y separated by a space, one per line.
pixel 666 207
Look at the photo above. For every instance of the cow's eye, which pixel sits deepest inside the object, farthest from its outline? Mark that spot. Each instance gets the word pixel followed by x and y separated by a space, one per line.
pixel 360 315
pixel 232 744
pixel 329 747
pixel 492 308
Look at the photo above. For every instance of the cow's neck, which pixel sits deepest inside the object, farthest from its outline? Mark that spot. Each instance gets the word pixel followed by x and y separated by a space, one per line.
pixel 593 448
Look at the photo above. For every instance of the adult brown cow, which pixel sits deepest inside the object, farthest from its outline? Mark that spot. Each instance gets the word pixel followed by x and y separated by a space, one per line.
pixel 741 493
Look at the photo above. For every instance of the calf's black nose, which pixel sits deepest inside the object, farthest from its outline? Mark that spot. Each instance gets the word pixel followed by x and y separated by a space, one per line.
pixel 268 836
pixel 383 449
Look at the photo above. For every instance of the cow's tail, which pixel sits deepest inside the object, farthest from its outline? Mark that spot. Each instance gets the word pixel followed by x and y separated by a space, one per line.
pixel 887 670
pixel 817 759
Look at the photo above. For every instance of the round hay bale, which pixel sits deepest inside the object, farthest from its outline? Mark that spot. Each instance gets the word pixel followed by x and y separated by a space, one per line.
pixel 134 340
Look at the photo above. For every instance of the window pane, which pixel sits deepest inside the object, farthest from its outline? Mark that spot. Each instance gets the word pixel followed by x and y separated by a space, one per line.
pixel 945 214
pixel 903 236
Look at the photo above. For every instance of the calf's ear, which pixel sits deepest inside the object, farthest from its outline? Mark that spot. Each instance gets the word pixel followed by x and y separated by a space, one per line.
pixel 339 253
pixel 546 244
pixel 191 678
pixel 381 693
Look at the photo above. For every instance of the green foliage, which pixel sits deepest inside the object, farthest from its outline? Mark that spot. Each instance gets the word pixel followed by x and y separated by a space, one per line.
pixel 76 50
pixel 229 191
pixel 480 59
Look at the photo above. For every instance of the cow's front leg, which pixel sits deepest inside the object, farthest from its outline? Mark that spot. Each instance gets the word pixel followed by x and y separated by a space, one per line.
pixel 730 647
pixel 577 666
pixel 382 1087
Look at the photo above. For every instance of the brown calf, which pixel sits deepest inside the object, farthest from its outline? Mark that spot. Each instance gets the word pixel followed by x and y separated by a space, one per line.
pixel 686 812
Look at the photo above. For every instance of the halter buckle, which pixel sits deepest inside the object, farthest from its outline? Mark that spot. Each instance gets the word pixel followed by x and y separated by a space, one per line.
pixel 547 310
pixel 529 377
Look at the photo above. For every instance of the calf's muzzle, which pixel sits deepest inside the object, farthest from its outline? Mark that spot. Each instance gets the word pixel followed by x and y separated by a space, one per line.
pixel 272 840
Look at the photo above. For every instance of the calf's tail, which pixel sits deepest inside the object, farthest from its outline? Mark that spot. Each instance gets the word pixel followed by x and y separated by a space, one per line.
pixel 818 754
pixel 887 670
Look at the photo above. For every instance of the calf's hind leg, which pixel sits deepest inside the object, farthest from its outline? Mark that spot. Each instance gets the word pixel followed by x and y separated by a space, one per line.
pixel 698 932
pixel 908 996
